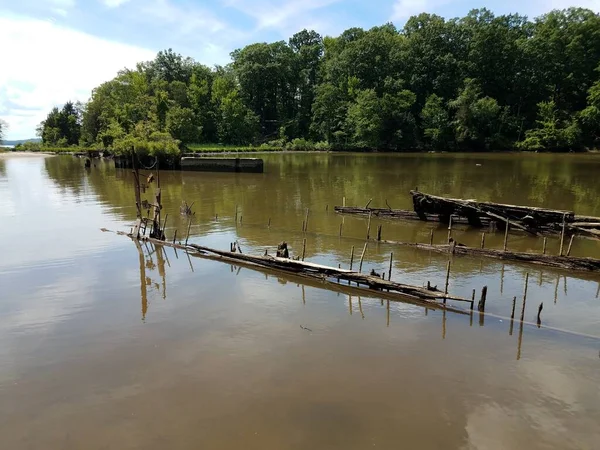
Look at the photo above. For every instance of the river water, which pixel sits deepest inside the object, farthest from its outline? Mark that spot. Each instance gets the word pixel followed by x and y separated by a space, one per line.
pixel 106 344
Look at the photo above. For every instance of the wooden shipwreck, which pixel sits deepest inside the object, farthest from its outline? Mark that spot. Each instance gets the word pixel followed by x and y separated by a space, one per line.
pixel 529 219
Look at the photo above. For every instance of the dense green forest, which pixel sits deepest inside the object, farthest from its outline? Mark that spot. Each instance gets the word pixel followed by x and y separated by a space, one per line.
pixel 477 83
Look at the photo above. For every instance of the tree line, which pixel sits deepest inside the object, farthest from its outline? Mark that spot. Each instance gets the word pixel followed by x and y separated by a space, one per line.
pixel 478 83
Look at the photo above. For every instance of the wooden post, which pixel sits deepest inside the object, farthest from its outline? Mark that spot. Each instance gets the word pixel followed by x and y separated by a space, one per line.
pixel 539 319
pixel 188 230
pixel 450 228
pixel 236 214
pixel 481 305
pixel 341 224
pixel 390 271
pixel 379 233
pixel 447 281
pixel 351 257
pixel 216 217
pixel 506 227
pixel 512 317
pixel 362 257
pixel 369 226
pixel 303 225
pixel 241 220
pixel 512 314
pixel 544 248
pixel 524 296
pixel 562 235
pixel 306 221
pixel 483 240
pixel 174 236
pixel 570 245
pixel 344 202
pixel 303 248
pixel 431 237
pixel 472 299
pixel 326 208
pixel 269 224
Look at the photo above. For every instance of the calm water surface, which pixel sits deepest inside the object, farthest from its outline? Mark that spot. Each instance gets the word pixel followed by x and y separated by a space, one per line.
pixel 109 345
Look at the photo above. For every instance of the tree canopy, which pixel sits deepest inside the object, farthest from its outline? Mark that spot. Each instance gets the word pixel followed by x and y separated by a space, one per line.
pixel 481 82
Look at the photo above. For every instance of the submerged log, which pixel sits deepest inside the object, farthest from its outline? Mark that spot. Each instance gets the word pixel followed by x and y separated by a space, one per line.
pixel 562 262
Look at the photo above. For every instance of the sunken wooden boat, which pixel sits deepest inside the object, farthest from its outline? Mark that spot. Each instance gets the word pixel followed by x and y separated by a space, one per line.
pixel 330 276
pixel 529 219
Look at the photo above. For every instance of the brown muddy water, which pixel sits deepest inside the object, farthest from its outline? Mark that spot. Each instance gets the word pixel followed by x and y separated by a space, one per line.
pixel 105 345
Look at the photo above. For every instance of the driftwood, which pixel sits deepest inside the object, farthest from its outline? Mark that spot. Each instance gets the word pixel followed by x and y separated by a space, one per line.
pixel 562 262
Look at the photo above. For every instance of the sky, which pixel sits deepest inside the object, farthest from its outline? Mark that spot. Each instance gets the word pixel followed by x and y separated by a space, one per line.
pixel 52 51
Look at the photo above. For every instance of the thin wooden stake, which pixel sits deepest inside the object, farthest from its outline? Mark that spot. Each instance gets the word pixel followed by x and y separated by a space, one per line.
pixel 379 233
pixel 570 245
pixel 369 226
pixel 241 220
pixel 303 225
pixel 390 271
pixel 544 247
pixel 447 281
pixel 450 228
pixel 303 248
pixel 472 299
pixel 431 237
pixel 539 319
pixel 562 235
pixel 481 305
pixel 506 228
pixel 351 257
pixel 269 224
pixel 483 240
pixel 236 214
pixel 341 224
pixel 174 236
pixel 524 296
pixel 188 231
pixel 344 202
pixel 362 257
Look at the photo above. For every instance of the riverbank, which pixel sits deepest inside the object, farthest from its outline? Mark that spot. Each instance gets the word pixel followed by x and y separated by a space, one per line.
pixel 11 154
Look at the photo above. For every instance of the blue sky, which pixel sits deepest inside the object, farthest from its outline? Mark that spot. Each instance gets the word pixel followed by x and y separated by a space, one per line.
pixel 55 50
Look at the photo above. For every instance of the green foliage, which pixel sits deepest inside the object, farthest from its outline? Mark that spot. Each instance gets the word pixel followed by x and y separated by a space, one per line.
pixel 474 83
pixel 62 127
pixel 552 131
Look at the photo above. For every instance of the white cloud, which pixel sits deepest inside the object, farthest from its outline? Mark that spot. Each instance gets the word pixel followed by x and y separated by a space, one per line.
pixel 114 3
pixel 288 17
pixel 63 3
pixel 46 64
